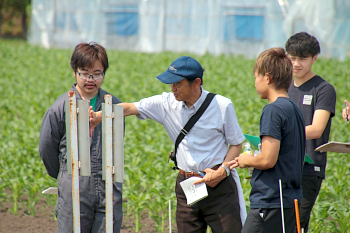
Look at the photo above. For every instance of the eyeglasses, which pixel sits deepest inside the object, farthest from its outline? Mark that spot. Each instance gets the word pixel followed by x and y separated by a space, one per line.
pixel 87 76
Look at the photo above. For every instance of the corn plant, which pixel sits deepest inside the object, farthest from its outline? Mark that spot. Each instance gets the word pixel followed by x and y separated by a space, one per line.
pixel 137 202
pixel 16 190
pixel 3 195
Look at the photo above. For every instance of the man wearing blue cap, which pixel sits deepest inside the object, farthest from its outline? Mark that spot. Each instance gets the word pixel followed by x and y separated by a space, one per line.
pixel 215 139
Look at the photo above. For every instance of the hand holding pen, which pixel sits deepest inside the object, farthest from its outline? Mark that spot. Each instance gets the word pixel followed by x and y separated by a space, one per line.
pixel 211 177
pixel 346 110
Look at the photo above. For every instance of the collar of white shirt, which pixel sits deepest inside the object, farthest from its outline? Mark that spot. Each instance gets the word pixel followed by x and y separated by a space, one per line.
pixel 199 102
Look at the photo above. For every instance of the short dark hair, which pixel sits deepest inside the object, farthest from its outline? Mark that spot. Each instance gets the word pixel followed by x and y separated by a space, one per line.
pixel 277 64
pixel 302 44
pixel 190 81
pixel 86 54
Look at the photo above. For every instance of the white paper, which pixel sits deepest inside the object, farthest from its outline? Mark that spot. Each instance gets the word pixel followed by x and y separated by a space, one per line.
pixel 194 193
pixel 51 190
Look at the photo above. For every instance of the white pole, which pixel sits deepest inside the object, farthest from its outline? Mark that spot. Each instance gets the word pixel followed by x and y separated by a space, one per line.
pixel 118 143
pixel 74 160
pixel 108 163
pixel 169 216
pixel 281 198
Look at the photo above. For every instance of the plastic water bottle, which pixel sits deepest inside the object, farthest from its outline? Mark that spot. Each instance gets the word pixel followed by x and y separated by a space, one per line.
pixel 256 152
pixel 247 150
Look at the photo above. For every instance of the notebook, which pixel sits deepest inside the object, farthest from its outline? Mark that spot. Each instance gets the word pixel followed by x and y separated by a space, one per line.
pixel 194 193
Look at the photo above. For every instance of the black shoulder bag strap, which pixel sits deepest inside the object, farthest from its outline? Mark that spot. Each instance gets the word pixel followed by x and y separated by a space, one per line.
pixel 189 125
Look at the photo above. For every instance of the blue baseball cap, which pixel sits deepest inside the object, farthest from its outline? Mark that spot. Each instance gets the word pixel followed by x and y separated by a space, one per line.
pixel 182 67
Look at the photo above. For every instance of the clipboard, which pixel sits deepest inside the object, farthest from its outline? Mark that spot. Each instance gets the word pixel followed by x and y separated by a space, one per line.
pixel 332 146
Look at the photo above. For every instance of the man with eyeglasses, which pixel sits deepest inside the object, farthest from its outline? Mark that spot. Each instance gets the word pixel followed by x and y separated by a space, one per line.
pixel 89 62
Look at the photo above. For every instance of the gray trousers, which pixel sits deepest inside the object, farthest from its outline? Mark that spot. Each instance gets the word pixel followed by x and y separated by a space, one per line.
pixel 92 204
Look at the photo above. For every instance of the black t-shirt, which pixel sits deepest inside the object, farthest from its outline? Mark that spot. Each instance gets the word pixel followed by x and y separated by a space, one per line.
pixel 312 95
pixel 281 120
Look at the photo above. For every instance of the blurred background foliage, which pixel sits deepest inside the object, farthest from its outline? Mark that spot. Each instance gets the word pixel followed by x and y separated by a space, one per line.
pixel 14 18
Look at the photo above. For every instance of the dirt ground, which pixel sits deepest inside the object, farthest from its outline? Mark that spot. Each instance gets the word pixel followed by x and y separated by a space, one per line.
pixel 44 221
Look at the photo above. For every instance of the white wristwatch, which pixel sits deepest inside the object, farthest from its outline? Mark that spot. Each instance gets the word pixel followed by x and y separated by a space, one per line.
pixel 226 169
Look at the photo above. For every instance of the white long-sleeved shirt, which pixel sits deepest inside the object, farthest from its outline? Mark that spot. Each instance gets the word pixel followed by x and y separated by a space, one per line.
pixel 207 142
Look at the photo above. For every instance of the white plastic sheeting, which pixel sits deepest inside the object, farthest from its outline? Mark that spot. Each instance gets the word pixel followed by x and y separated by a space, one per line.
pixel 198 26
pixel 328 20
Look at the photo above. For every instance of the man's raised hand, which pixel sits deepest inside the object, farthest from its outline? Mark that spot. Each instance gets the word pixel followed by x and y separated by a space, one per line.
pixel 95 119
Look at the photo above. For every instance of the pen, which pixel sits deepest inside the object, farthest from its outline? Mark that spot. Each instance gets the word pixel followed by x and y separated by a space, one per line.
pixel 347 116
pixel 202 175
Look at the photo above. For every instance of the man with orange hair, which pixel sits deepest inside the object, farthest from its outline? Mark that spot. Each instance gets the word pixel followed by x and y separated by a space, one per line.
pixel 282 135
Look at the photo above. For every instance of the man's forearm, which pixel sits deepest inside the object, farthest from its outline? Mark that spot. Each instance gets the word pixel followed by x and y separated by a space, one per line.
pixel 233 152
pixel 213 177
pixel 96 117
pixel 319 123
pixel 129 109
